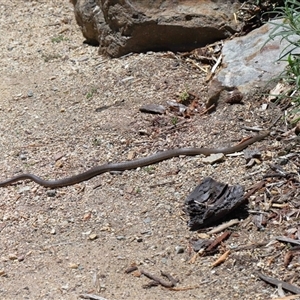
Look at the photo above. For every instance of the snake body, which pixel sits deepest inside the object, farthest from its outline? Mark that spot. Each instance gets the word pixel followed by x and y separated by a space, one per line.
pixel 133 164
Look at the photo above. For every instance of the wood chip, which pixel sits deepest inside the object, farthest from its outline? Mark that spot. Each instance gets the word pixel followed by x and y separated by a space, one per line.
pixel 221 259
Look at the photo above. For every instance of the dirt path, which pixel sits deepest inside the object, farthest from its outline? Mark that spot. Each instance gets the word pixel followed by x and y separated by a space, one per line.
pixel 64 109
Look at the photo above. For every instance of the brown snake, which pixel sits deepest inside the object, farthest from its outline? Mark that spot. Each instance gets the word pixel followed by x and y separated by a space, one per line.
pixel 133 164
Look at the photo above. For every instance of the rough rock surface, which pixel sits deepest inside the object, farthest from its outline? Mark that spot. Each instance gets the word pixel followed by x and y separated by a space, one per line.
pixel 123 26
pixel 249 63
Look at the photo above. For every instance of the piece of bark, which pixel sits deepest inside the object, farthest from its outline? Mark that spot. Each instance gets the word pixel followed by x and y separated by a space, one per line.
pixel 211 201
pixel 197 245
pixel 285 285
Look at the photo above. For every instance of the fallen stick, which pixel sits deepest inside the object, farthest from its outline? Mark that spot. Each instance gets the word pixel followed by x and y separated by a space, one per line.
pixel 157 279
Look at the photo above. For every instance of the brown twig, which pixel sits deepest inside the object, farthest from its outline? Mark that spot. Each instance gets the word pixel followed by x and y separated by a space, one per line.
pixel 274 123
pixel 157 279
pixel 131 269
pixel 170 277
pixel 207 110
pixel 256 187
pixel 218 240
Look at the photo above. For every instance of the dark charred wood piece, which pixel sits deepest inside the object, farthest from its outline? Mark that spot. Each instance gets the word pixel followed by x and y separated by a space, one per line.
pixel 211 201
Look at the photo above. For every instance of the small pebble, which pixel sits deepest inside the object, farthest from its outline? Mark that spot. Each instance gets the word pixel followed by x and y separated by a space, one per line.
pixel 93 236
pixel 65 287
pixel 213 158
pixel 24 189
pixel 153 109
pixel 249 154
pixel 12 256
pixel 23 156
pixel 164 261
pixel 73 266
pixel 51 193
pixel 147 220
pixel 179 249
pixel 21 258
pixel 30 94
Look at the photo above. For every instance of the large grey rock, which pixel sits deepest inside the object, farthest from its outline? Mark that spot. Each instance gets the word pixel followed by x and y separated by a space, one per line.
pixel 123 26
pixel 249 63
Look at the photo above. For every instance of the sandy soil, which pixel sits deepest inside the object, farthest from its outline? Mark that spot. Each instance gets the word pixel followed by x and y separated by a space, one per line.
pixel 65 109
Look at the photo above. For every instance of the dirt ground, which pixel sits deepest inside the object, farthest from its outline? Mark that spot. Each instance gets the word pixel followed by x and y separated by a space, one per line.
pixel 65 109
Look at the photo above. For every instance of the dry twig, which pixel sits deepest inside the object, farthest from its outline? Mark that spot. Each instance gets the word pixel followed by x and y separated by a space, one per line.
pixel 157 279
pixel 223 226
pixel 218 240
pixel 221 259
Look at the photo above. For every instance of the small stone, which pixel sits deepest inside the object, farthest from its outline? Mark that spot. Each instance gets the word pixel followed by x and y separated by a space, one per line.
pixel 30 94
pixel 283 161
pixel 59 164
pixel 73 266
pixel 65 287
pixel 87 216
pixel 147 220
pixel 139 239
pixel 51 193
pixel 12 256
pixel 179 249
pixel 234 97
pixel 23 156
pixel 93 236
pixel 2 272
pixel 131 155
pixel 164 261
pixel 252 162
pixel 249 154
pixel 24 189
pixel 153 109
pixel 213 158
pixel 21 257
pixel 120 237
pixel 53 231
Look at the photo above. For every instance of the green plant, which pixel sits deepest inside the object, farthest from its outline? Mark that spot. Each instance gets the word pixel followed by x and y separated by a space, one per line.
pixel 289 30
pixel 149 169
pixel 91 93
pixel 184 96
pixel 174 120
pixel 96 142
pixel 50 57
pixel 58 39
